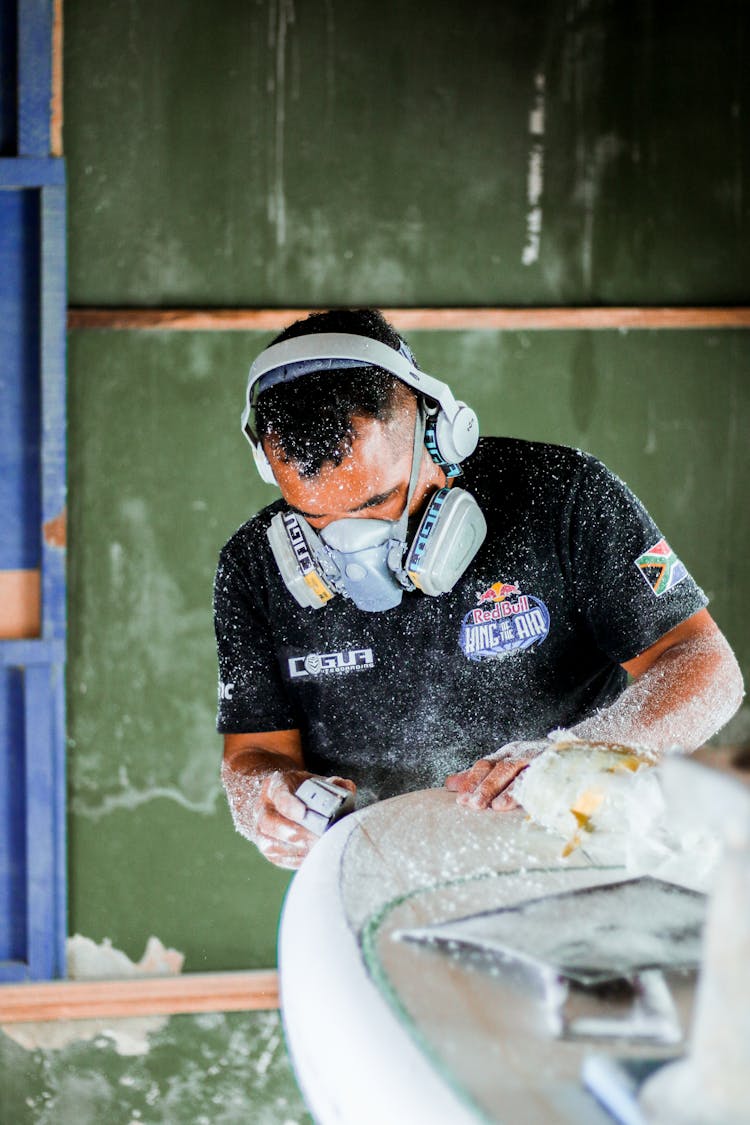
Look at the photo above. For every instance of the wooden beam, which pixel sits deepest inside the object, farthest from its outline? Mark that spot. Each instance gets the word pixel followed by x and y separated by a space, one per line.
pixel 139 996
pixel 20 604
pixel 56 102
pixel 511 319
pixel 415 320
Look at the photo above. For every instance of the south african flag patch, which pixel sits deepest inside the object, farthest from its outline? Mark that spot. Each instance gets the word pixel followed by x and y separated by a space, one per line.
pixel 661 568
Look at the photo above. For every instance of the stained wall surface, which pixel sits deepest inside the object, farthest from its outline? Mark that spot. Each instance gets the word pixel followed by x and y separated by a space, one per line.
pixel 217 1068
pixel 281 154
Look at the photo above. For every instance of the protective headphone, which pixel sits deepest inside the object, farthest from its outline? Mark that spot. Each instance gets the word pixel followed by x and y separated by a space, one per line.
pixel 452 528
pixel 452 428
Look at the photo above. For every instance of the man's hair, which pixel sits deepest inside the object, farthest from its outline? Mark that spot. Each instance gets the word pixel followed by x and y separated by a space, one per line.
pixel 310 419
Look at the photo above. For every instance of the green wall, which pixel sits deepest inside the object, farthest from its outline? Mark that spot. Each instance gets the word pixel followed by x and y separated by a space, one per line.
pixel 251 154
pixel 226 1068
pixel 273 152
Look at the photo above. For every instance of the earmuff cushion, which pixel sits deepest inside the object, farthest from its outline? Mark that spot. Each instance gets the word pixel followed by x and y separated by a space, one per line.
pixel 457 439
pixel 262 464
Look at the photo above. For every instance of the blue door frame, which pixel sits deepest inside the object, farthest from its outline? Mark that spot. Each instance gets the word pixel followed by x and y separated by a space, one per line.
pixel 32 499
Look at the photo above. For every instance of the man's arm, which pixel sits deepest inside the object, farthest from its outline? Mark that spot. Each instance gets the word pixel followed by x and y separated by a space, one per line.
pixel 260 773
pixel 687 686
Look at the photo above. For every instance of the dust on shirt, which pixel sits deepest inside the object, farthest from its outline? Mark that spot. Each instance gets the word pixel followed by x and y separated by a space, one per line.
pixel 573 579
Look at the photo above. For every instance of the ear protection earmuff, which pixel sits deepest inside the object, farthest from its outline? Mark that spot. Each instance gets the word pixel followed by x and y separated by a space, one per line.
pixel 452 428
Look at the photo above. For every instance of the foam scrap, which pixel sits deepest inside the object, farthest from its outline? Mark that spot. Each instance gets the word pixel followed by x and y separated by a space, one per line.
pixel 609 799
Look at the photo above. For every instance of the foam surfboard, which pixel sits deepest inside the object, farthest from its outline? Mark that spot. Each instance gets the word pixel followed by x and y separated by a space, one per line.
pixel 381 1029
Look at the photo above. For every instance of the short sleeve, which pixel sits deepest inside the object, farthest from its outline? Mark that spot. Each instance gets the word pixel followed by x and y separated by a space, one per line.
pixel 630 585
pixel 251 691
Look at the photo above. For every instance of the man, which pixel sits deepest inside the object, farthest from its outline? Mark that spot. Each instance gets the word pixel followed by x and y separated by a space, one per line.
pixel 415 612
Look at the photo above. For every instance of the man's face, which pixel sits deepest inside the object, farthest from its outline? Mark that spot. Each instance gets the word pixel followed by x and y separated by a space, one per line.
pixel 372 482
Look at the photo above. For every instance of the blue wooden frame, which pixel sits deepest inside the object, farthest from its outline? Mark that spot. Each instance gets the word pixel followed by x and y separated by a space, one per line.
pixel 33 671
pixel 41 922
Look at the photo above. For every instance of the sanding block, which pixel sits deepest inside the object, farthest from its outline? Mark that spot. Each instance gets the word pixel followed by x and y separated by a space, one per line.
pixel 324 802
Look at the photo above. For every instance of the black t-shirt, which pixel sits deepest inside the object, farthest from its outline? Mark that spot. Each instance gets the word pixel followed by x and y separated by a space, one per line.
pixel 573 579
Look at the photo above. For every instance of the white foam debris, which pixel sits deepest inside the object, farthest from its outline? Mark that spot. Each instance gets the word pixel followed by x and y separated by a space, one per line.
pixel 610 801
pixel 87 960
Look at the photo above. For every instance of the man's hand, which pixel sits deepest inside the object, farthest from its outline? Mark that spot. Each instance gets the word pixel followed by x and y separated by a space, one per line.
pixel 485 785
pixel 266 812
pixel 260 773
pixel 279 833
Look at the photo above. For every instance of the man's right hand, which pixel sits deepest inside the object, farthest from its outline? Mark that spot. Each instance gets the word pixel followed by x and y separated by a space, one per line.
pixel 280 835
pixel 261 773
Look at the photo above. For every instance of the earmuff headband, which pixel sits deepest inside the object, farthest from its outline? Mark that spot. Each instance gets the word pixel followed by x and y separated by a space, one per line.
pixel 346 346
pixel 456 432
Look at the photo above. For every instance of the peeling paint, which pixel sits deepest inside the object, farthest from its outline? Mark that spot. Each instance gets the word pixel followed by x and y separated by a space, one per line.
pixel 105 804
pixel 215 1068
pixel 535 175
pixel 153 650
pixel 55 530
pixel 281 18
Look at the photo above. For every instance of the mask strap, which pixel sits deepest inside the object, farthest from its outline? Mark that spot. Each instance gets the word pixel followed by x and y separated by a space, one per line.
pixel 397 542
pixel 421 421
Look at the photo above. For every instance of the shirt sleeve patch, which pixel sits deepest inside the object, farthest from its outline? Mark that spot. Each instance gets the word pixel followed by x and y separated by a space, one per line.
pixel 661 568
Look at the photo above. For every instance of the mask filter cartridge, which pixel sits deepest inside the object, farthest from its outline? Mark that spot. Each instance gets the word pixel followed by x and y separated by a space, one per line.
pixel 451 532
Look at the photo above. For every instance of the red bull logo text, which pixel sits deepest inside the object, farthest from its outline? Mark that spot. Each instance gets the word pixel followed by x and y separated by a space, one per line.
pixel 500 609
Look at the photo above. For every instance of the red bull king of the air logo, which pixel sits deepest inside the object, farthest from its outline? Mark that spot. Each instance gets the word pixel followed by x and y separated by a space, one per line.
pixel 504 621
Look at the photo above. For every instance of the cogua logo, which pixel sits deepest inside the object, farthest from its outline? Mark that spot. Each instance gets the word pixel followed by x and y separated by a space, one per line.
pixel 331 663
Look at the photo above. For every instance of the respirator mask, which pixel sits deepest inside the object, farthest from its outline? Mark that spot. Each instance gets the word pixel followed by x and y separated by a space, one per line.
pixel 373 561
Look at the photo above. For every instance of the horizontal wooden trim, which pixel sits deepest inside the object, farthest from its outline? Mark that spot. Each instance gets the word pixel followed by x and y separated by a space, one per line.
pixel 564 318
pixel 139 996
pixel 20 604
pixel 456 319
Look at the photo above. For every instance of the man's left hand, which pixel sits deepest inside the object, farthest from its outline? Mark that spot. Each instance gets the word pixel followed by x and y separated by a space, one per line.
pixel 486 784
